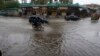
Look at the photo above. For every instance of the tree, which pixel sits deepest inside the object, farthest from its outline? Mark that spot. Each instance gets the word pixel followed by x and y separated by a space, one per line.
pixel 50 1
pixel 41 2
pixel 12 4
pixel 1 4
pixel 8 4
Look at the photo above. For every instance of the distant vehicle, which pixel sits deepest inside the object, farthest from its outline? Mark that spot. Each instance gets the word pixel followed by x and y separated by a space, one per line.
pixel 72 17
pixel 9 12
pixel 3 13
pixel 95 16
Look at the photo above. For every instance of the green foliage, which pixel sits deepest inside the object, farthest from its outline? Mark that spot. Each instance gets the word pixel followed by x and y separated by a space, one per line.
pixel 41 2
pixel 12 4
pixel 1 4
pixel 9 4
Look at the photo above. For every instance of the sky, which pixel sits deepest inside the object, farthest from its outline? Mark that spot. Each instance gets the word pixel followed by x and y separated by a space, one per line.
pixel 81 1
pixel 21 1
pixel 87 1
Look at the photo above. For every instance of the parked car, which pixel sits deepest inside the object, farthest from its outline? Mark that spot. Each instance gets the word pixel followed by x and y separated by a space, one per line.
pixel 3 13
pixel 72 17
pixel 95 16
pixel 9 12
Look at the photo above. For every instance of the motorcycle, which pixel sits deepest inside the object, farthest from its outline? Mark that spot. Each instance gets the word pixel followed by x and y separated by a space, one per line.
pixel 37 26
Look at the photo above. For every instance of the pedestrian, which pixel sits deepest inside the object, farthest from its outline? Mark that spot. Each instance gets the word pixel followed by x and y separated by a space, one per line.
pixel 20 12
pixel 33 12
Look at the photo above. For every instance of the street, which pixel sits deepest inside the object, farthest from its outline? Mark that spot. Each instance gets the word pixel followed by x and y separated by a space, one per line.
pixel 59 38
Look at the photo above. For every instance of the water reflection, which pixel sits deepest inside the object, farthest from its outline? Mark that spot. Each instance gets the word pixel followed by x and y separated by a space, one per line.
pixel 48 44
pixel 94 21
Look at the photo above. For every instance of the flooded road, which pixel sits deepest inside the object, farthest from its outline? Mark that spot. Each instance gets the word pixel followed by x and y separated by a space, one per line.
pixel 59 38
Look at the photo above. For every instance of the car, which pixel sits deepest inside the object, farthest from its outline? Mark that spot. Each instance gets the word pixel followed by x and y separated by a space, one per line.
pixel 35 18
pixel 8 12
pixel 31 19
pixel 3 13
pixel 37 21
pixel 95 16
pixel 72 17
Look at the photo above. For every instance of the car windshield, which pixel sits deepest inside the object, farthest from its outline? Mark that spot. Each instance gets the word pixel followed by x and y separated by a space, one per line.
pixel 49 27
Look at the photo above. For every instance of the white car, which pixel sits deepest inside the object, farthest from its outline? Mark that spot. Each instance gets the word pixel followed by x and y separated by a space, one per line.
pixel 72 17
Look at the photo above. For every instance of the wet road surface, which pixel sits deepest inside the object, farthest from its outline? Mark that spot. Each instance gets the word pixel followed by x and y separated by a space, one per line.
pixel 59 38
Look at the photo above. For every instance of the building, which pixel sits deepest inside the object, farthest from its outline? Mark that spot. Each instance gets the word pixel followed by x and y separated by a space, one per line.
pixel 66 1
pixel 24 1
pixel 92 6
pixel 40 2
pixel 62 1
pixel 52 7
pixel 50 1
pixel 70 1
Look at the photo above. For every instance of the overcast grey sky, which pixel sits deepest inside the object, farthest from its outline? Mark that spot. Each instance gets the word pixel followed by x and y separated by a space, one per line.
pixel 87 1
pixel 21 1
pixel 82 1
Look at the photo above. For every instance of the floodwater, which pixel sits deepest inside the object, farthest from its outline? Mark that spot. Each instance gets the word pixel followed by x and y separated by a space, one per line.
pixel 59 38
